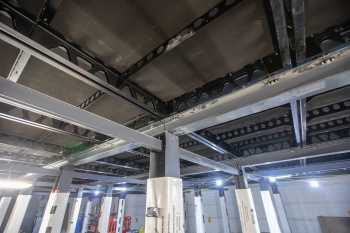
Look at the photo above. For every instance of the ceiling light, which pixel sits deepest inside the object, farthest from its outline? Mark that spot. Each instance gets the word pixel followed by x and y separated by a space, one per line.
pixel 123 189
pixel 96 192
pixel 272 179
pixel 219 183
pixel 314 183
pixel 14 184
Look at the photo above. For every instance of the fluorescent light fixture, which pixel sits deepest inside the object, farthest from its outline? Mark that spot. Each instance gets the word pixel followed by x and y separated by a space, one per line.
pixel 273 179
pixel 122 189
pixel 219 183
pixel 96 192
pixel 14 184
pixel 314 183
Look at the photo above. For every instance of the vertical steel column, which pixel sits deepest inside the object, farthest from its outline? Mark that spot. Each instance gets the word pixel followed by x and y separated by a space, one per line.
pixel 280 209
pixel 269 207
pixel 73 219
pixel 198 212
pixel 18 212
pixel 120 214
pixel 223 210
pixel 57 204
pixel 164 199
pixel 86 219
pixel 105 211
pixel 4 205
pixel 246 207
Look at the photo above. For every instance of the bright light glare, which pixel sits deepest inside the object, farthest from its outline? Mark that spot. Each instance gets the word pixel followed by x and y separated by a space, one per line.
pixel 96 192
pixel 123 189
pixel 219 183
pixel 14 184
pixel 314 183
pixel 273 179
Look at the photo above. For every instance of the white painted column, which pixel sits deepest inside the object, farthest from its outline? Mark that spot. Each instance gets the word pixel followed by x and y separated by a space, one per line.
pixel 120 214
pixel 246 207
pixel 198 212
pixel 223 210
pixel 18 212
pixel 281 213
pixel 105 212
pixel 270 212
pixel 57 204
pixel 4 205
pixel 86 219
pixel 164 205
pixel 73 219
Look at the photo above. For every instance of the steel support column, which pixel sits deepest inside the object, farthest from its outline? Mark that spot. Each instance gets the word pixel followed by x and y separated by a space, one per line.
pixel 198 212
pixel 223 210
pixel 18 212
pixel 280 209
pixel 120 214
pixel 86 219
pixel 73 219
pixel 164 199
pixel 246 207
pixel 57 204
pixel 270 211
pixel 105 212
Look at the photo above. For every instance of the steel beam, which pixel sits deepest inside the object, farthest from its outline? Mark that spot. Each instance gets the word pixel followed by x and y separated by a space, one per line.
pixel 280 26
pixel 44 127
pixel 309 151
pixel 31 100
pixel 222 149
pixel 307 169
pixel 203 161
pixel 298 14
pixel 106 179
pixel 18 66
pixel 318 76
pixel 34 49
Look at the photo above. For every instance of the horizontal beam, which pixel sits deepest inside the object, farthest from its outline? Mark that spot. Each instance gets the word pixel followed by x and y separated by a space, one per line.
pixel 320 75
pixel 106 179
pixel 36 50
pixel 34 101
pixel 307 169
pixel 309 151
pixel 23 169
pixel 205 162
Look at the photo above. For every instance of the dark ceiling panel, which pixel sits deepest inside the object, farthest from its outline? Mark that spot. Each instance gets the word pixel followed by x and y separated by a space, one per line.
pixel 121 32
pixel 8 56
pixel 321 14
pixel 237 38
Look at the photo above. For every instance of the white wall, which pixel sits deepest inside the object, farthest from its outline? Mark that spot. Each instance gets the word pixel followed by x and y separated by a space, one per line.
pixel 135 206
pixel 303 204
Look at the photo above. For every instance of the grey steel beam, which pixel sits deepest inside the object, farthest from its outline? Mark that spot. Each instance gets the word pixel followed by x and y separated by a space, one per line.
pixel 36 50
pixel 222 149
pixel 118 165
pixel 22 168
pixel 31 100
pixel 320 75
pixel 296 120
pixel 298 14
pixel 309 151
pixel 209 163
pixel 106 179
pixel 279 18
pixel 18 66
pixel 44 127
pixel 307 169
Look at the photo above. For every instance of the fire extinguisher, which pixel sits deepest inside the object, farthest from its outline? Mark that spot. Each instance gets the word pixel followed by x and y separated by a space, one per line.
pixel 127 224
pixel 112 224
